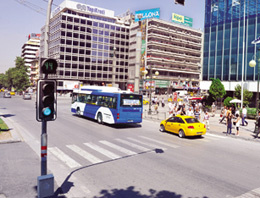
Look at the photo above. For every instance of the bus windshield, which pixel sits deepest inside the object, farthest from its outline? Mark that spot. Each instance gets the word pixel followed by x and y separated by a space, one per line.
pixel 130 100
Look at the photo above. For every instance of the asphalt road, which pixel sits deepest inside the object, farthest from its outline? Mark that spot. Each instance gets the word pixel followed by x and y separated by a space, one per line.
pixel 92 160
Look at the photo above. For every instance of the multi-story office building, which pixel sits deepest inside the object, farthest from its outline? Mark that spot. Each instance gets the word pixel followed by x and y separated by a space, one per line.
pixel 83 39
pixel 29 50
pixel 227 44
pixel 174 50
pixel 34 74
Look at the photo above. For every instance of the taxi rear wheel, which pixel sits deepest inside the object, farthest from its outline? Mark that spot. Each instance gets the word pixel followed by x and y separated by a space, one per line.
pixel 162 128
pixel 181 133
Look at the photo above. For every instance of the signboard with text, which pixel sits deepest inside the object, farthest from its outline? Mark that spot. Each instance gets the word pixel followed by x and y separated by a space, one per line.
pixel 147 14
pixel 183 20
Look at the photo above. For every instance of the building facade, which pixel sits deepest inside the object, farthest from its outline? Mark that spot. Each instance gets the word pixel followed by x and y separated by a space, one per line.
pixel 83 39
pixel 173 50
pixel 227 44
pixel 29 50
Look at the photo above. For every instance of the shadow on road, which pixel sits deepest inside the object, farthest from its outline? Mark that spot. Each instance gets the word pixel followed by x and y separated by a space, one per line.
pixel 115 126
pixel 66 185
pixel 7 115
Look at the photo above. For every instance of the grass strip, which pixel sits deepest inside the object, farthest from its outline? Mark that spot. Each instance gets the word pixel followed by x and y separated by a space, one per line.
pixel 3 126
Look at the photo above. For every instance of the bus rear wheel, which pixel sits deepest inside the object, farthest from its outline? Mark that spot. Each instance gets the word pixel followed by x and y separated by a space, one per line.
pixel 99 118
pixel 78 112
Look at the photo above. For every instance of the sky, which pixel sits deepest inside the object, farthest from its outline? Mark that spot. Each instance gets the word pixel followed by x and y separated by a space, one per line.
pixel 19 20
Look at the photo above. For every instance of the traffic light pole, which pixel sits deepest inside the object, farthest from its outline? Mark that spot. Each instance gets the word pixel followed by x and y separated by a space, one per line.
pixel 44 148
pixel 45 183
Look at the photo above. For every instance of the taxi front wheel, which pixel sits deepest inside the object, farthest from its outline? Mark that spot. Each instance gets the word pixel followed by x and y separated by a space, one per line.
pixel 181 133
pixel 162 128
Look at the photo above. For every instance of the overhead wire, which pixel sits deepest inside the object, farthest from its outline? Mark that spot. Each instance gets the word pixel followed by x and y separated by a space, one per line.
pixel 32 6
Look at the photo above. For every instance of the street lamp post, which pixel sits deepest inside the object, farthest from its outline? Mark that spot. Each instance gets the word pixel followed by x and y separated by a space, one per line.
pixel 150 90
pixel 114 68
pixel 252 63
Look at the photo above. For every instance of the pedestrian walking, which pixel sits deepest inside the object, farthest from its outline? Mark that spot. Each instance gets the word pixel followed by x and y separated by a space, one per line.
pixel 258 124
pixel 190 112
pixel 206 119
pixel 156 107
pixel 223 113
pixel 229 122
pixel 213 109
pixel 163 103
pixel 197 114
pixel 237 123
pixel 244 114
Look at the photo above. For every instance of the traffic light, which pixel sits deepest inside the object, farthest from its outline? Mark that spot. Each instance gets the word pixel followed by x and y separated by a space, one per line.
pixel 48 65
pixel 46 100
pixel 181 2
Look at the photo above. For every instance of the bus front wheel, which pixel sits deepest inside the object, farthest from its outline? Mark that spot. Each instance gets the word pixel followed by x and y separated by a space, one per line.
pixel 99 118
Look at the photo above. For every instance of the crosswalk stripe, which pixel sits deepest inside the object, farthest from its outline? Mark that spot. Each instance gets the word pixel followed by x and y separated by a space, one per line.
pixel 63 157
pixel 121 149
pixel 132 145
pixel 218 136
pixel 84 154
pixel 160 142
pixel 145 143
pixel 102 150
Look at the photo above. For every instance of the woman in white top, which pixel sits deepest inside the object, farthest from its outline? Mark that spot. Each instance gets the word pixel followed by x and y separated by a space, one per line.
pixel 237 122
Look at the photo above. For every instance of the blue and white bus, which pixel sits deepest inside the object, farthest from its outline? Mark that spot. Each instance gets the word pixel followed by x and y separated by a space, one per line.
pixel 107 104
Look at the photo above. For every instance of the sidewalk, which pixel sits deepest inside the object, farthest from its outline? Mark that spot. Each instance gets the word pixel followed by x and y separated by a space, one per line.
pixel 245 132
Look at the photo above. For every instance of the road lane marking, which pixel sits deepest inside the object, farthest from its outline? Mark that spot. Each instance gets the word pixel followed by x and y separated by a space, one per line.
pixel 160 142
pixel 85 154
pixel 102 150
pixel 252 193
pixel 63 157
pixel 132 145
pixel 119 148
pixel 145 143
pixel 218 136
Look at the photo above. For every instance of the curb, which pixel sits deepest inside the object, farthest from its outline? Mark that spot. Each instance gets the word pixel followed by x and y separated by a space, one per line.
pixel 16 137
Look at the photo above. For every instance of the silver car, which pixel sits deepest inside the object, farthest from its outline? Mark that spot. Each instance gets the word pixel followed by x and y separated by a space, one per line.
pixel 7 95
pixel 27 96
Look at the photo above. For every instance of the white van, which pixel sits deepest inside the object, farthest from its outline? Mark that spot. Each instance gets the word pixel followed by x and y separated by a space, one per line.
pixel 182 93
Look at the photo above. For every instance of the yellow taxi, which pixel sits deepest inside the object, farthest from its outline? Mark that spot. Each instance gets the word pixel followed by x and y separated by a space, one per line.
pixel 12 93
pixel 183 126
pixel 145 101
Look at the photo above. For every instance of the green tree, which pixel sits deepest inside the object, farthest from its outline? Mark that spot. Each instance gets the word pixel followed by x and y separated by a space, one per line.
pixel 17 76
pixel 247 96
pixel 227 101
pixel 216 89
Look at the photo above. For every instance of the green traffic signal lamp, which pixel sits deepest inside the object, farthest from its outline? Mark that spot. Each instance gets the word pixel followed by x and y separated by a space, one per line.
pixel 49 65
pixel 46 100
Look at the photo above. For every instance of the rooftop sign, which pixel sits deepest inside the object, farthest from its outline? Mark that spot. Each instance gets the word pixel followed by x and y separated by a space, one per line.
pixel 183 20
pixel 85 8
pixel 152 13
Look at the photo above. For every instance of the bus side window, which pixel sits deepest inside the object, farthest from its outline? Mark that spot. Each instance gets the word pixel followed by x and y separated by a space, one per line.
pixel 99 100
pixel 94 100
pixel 114 102
pixel 88 99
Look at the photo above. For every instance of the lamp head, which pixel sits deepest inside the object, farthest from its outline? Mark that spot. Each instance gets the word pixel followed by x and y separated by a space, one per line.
pixel 252 63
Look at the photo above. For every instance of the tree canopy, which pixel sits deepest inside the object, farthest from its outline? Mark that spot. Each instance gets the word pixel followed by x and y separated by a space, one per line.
pixel 247 95
pixel 216 89
pixel 16 77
